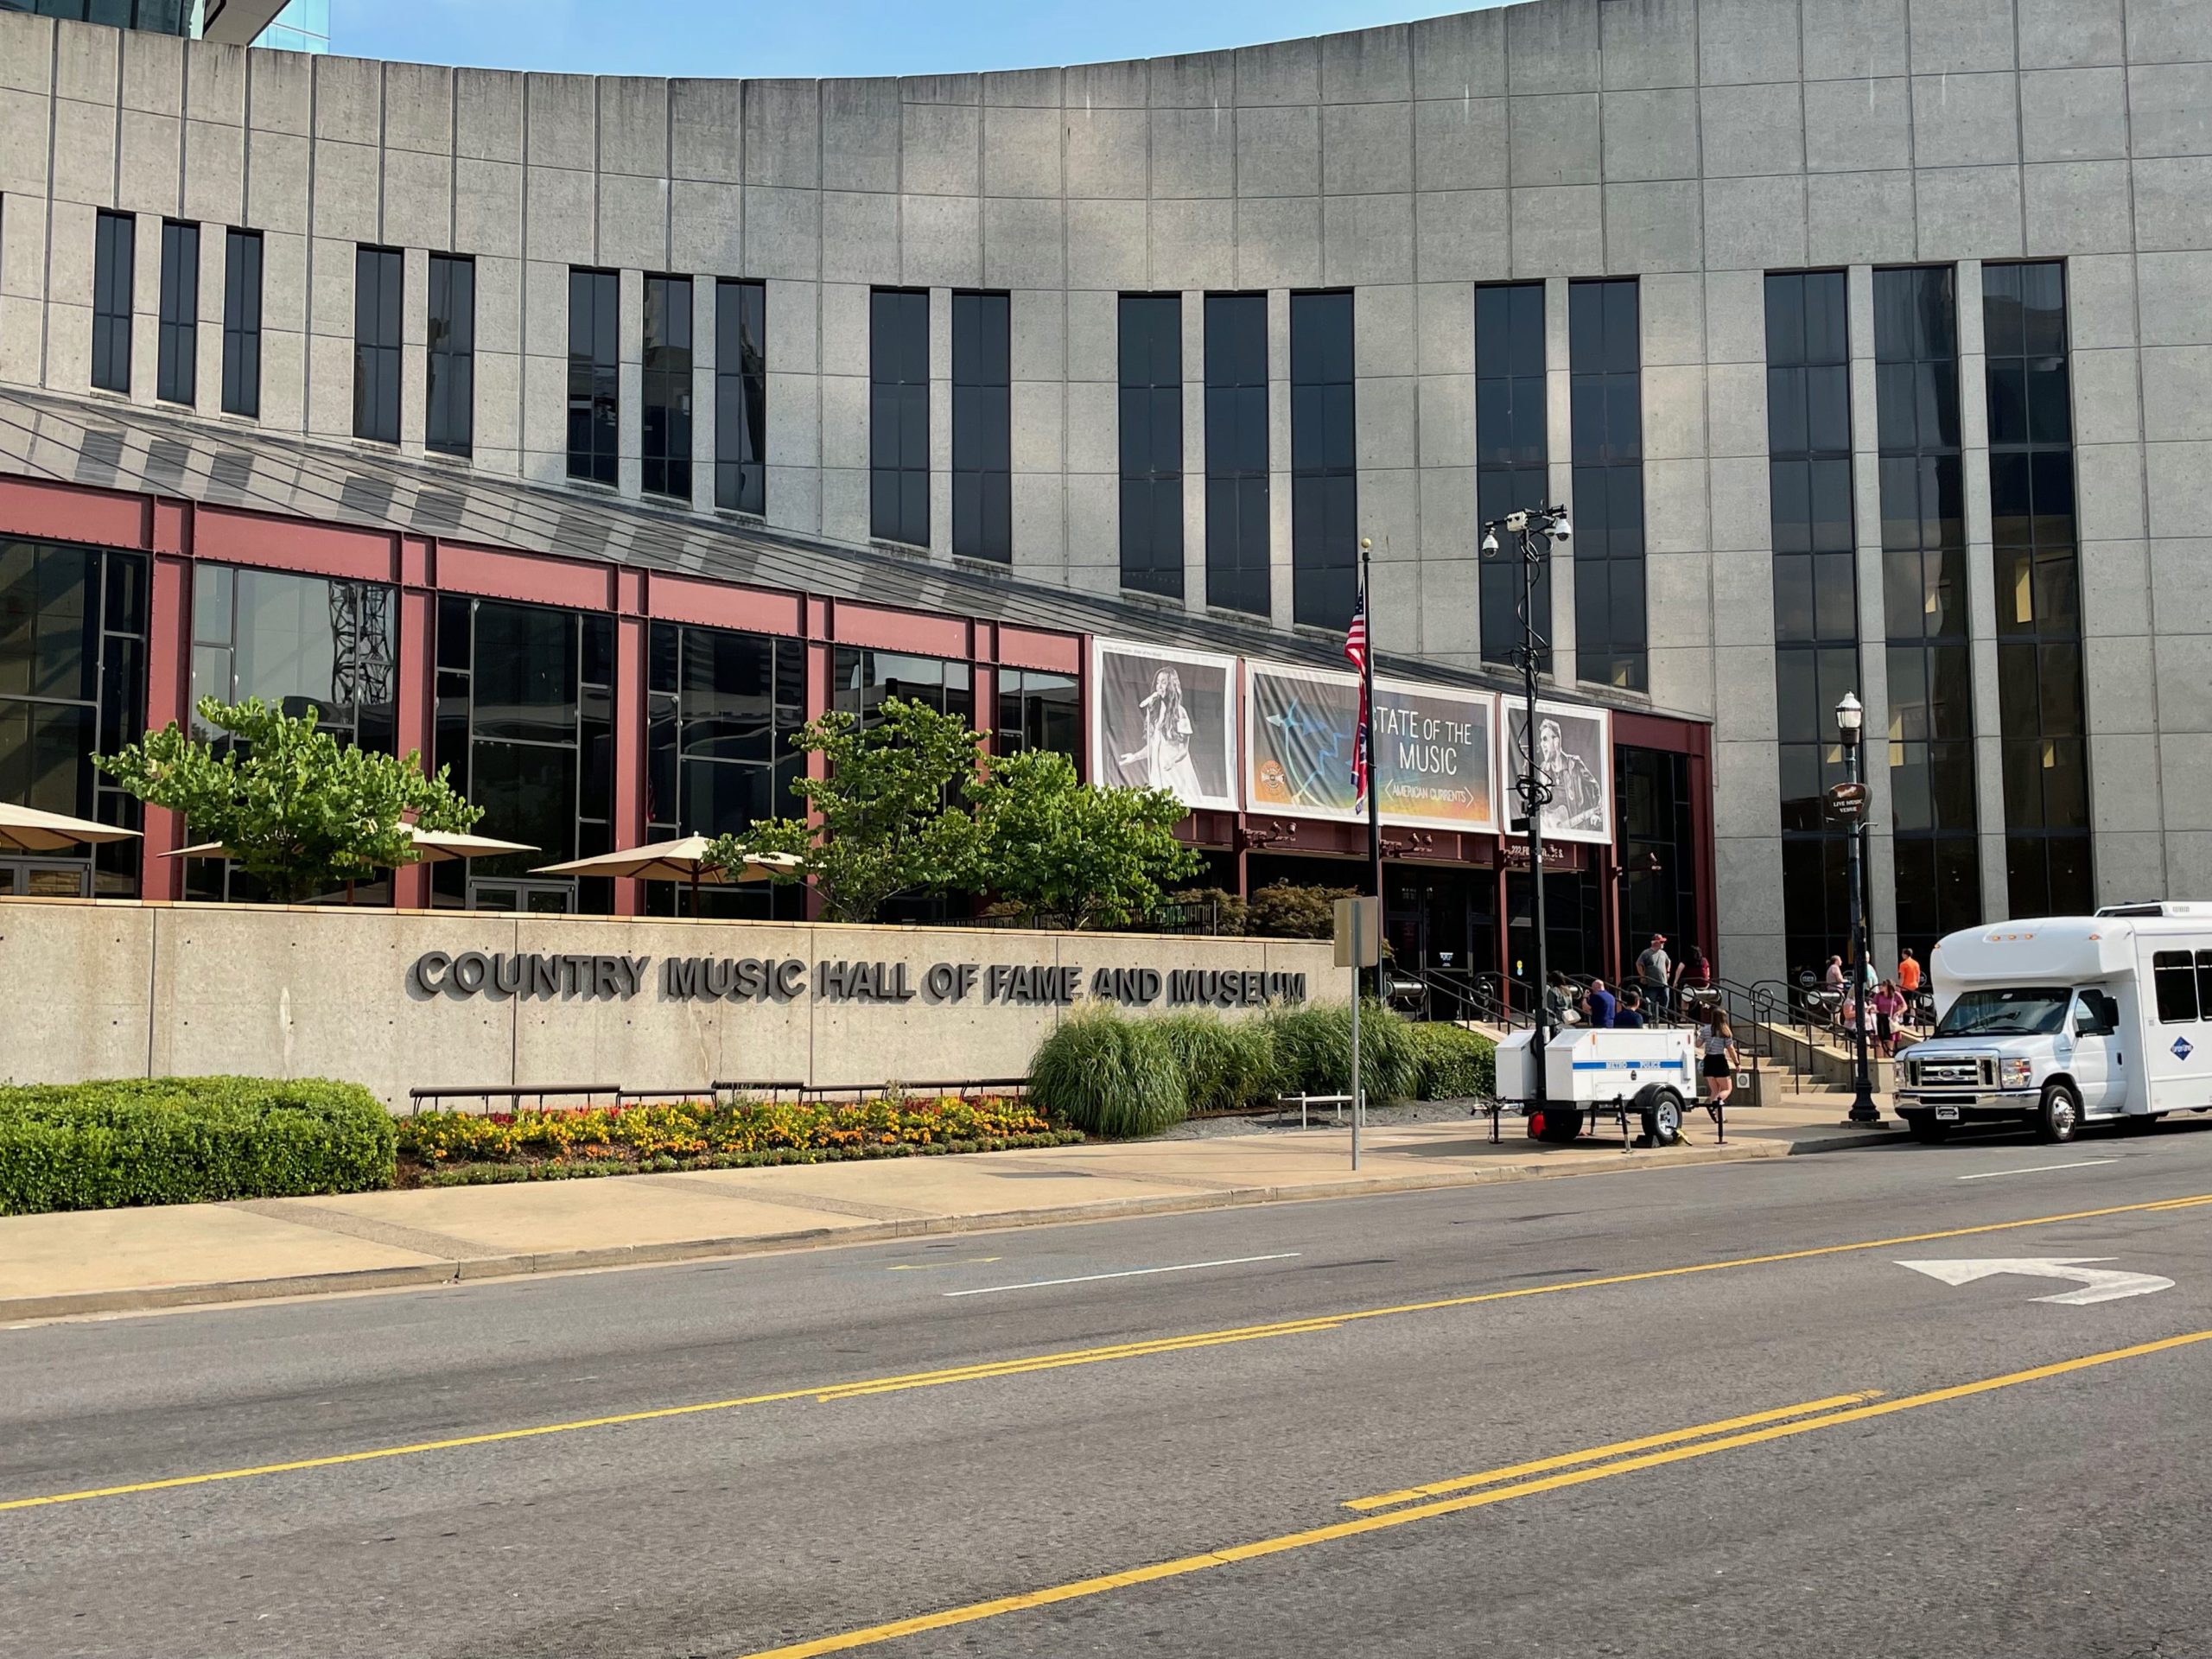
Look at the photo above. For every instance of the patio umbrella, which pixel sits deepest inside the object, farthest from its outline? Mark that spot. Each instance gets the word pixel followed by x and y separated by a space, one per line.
pixel 27 829
pixel 682 860
pixel 431 846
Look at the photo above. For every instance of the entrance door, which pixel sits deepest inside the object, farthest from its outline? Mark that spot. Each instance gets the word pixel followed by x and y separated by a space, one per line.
pixel 45 878
pixel 2094 1026
pixel 522 898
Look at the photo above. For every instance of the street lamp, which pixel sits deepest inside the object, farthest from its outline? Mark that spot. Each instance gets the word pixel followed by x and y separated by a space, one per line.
pixel 1850 720
pixel 1534 530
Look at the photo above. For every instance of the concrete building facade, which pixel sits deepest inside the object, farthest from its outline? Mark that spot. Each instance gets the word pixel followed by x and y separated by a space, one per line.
pixel 1650 177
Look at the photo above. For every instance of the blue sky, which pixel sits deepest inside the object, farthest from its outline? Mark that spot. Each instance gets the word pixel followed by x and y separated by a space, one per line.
pixel 830 37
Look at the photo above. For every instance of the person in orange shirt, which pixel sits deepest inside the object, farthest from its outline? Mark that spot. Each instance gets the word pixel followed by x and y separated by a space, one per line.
pixel 1909 983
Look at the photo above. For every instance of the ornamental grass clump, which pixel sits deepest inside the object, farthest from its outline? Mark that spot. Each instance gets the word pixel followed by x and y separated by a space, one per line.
pixel 1109 1075
pixel 1228 1065
pixel 1313 1049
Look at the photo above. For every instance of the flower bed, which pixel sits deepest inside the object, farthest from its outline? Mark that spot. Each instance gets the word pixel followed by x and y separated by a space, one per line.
pixel 450 1149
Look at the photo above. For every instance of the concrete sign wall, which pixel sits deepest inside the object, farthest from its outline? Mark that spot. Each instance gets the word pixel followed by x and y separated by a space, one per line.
pixel 398 1000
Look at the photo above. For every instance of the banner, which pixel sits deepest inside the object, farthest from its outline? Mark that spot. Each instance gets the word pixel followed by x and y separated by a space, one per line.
pixel 1163 719
pixel 1433 753
pixel 1574 755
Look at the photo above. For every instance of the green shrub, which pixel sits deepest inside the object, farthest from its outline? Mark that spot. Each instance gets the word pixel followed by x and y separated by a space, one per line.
pixel 1313 1049
pixel 1227 1063
pixel 1109 1075
pixel 93 1146
pixel 1283 910
pixel 1455 1062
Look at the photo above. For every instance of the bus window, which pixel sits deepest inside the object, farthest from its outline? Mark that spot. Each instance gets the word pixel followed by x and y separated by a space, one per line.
pixel 2174 973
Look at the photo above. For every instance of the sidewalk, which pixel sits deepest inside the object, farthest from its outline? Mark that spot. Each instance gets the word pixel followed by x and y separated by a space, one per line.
pixel 103 1261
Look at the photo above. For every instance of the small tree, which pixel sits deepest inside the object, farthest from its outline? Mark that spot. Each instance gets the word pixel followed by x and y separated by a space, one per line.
pixel 886 827
pixel 1283 910
pixel 1049 842
pixel 296 807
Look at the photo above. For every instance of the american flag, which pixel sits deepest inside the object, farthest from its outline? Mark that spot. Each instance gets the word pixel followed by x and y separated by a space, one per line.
pixel 1356 654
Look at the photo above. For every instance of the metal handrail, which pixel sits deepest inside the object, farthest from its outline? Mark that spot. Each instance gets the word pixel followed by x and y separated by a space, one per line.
pixel 514 1093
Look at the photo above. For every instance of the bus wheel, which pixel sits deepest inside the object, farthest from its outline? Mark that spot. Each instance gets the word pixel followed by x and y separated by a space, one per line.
pixel 2058 1115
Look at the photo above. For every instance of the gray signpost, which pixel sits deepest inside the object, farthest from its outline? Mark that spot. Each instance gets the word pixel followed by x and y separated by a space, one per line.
pixel 1359 944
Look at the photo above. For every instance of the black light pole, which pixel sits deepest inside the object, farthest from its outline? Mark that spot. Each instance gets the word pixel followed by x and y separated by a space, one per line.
pixel 1849 718
pixel 1531 530
pixel 1373 765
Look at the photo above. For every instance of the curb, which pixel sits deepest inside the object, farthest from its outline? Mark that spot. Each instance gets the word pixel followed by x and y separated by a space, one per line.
pixel 524 1264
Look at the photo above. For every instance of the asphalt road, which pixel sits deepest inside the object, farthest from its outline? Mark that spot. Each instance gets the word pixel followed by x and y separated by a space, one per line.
pixel 1038 1442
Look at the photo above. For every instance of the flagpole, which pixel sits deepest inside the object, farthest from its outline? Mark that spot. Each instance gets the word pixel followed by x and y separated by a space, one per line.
pixel 1374 763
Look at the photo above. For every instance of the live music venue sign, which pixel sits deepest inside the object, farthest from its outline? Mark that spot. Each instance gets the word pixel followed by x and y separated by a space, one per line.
pixel 500 974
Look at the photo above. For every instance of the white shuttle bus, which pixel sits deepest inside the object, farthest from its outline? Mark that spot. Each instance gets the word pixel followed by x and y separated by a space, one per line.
pixel 2066 1021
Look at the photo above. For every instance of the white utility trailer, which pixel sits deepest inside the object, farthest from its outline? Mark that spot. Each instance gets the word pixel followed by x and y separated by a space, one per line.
pixel 1649 1072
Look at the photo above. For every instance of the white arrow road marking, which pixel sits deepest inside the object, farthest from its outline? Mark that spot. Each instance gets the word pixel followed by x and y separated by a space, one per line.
pixel 2098 1284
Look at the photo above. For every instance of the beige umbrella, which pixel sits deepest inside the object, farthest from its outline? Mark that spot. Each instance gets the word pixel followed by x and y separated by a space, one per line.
pixel 682 860
pixel 27 829
pixel 431 846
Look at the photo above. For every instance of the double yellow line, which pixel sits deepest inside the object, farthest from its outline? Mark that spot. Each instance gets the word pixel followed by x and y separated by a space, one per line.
pixel 863 1387
pixel 1400 1509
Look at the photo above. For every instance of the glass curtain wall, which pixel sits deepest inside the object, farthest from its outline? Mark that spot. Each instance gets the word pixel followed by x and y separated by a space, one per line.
pixel 741 396
pixel 1238 536
pixel 1657 841
pixel 1039 711
pixel 863 680
pixel 1606 357
pixel 722 708
pixel 297 642
pixel 1150 341
pixel 1933 814
pixel 2039 699
pixel 525 720
pixel 1815 596
pixel 665 423
pixel 1324 462
pixel 983 428
pixel 1512 455
pixel 72 683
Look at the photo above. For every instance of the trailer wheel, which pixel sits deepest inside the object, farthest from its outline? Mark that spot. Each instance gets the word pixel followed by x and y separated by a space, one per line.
pixel 1555 1125
pixel 1661 1109
pixel 2058 1115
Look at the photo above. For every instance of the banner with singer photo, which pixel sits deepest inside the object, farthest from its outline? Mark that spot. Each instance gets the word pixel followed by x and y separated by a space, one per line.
pixel 1434 750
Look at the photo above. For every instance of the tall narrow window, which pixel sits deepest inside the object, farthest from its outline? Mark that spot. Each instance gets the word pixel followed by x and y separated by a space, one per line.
pixel 1512 455
pixel 1605 358
pixel 114 247
pixel 1237 452
pixel 982 423
pixel 450 384
pixel 1932 808
pixel 242 323
pixel 741 396
pixel 1151 443
pixel 176 378
pixel 378 280
pixel 1815 593
pixel 2039 702
pixel 595 375
pixel 1324 462
pixel 899 416
pixel 665 431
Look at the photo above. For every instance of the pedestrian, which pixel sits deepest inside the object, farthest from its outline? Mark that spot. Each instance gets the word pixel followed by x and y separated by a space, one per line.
pixel 1887 1003
pixel 1717 1040
pixel 1630 1016
pixel 1598 1004
pixel 1655 974
pixel 1909 983
pixel 1559 1002
pixel 1832 978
